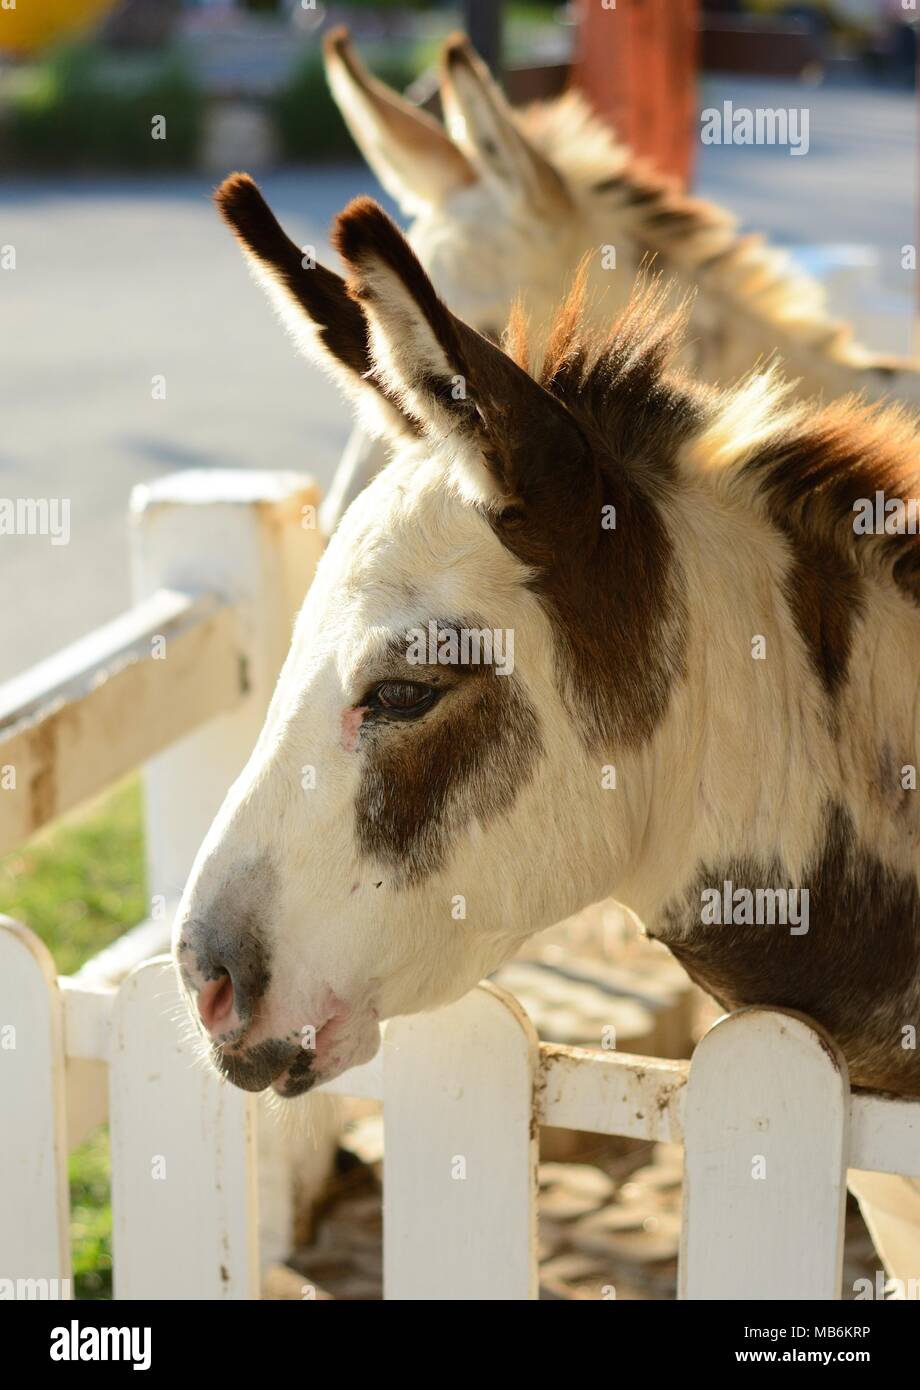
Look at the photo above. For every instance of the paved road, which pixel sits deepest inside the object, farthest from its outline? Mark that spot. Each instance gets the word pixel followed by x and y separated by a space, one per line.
pixel 118 280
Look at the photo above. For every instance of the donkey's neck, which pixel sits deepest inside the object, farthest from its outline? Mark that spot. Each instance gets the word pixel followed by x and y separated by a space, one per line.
pixel 786 766
pixel 747 305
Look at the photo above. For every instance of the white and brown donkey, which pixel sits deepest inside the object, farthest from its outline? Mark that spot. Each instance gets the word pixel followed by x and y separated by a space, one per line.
pixel 504 201
pixel 507 200
pixel 690 604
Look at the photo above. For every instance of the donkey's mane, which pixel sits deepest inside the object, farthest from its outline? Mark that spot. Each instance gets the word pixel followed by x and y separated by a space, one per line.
pixel 805 466
pixel 690 232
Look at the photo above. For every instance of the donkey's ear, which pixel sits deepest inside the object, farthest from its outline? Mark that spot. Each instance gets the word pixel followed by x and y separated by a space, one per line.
pixel 509 436
pixel 409 151
pixel 324 320
pixel 481 121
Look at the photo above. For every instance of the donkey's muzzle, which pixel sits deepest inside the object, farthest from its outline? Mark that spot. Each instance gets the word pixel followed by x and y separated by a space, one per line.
pixel 226 975
pixel 273 1061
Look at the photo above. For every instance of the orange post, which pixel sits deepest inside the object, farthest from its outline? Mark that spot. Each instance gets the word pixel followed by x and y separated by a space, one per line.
pixel 636 63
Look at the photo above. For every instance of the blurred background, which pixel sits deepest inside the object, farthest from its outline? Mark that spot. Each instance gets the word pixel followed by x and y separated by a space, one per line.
pixel 123 272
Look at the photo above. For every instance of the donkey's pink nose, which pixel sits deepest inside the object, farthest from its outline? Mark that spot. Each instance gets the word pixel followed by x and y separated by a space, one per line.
pixel 215 1004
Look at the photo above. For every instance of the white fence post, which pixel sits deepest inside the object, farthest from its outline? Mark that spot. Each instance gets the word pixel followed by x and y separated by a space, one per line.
pixel 253 539
pixel 34 1207
pixel 766 1133
pixel 184 1222
pixel 460 1152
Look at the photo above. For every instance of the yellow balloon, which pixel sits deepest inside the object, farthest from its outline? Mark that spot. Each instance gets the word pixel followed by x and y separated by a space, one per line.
pixel 34 23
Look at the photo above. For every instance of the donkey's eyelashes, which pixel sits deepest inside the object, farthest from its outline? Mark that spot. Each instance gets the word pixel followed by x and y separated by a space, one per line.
pixel 401 699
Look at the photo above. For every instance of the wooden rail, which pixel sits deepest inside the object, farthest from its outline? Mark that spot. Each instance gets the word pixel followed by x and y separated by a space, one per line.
pixel 75 723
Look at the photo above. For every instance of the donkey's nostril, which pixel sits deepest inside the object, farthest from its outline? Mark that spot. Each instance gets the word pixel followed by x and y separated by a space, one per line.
pixel 215 1003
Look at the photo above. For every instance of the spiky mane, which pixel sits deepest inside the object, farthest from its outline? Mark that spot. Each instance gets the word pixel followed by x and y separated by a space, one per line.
pixel 620 383
pixel 806 467
pixel 690 232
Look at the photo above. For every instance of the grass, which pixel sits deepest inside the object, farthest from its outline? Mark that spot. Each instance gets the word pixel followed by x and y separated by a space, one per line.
pixel 91 1217
pixel 79 886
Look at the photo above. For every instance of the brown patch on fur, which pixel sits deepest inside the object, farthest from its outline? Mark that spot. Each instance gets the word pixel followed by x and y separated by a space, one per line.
pixel 424 781
pixel 614 595
pixel 825 597
pixel 815 470
pixel 319 292
pixel 855 971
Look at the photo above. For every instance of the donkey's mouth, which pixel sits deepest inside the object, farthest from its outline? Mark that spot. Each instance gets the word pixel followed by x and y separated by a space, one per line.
pixel 297 1079
pixel 324 1061
pixel 346 1039
pixel 268 1063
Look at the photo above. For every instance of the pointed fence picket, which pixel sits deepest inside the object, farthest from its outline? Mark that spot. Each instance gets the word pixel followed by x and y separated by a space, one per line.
pixel 461 1183
pixel 766 1120
pixel 34 1234
pixel 182 1155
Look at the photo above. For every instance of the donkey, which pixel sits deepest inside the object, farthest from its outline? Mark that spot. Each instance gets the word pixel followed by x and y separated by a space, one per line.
pixel 512 199
pixel 714 692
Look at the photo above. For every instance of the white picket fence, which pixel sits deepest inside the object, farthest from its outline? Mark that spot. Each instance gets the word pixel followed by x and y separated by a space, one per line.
pixel 765 1111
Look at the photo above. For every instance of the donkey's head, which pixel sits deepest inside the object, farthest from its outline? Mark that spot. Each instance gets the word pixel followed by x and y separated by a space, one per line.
pixel 476 648
pixel 503 200
pixel 491 211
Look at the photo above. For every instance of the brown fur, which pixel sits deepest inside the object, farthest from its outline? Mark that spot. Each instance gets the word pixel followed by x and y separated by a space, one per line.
pixel 424 782
pixel 321 293
pixel 818 465
pixel 614 595
pixel 855 970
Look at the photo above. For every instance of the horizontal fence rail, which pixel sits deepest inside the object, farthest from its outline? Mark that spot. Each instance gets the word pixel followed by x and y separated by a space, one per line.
pixel 93 712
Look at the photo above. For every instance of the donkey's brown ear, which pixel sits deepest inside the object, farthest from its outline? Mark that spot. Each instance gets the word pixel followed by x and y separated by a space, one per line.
pixel 324 320
pixel 483 124
pixel 409 151
pixel 505 430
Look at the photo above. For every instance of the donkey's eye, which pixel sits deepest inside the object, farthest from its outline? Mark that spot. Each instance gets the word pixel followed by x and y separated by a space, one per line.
pixel 402 698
